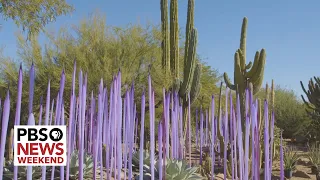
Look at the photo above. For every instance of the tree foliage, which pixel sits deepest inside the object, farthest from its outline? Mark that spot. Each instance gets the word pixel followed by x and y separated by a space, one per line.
pixel 99 50
pixel 33 15
pixel 290 114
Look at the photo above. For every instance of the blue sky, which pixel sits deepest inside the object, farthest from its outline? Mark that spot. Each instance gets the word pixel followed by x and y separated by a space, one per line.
pixel 288 30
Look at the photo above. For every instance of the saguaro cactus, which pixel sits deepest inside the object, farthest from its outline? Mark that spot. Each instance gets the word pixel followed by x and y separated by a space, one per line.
pixel 170 50
pixel 313 95
pixel 243 75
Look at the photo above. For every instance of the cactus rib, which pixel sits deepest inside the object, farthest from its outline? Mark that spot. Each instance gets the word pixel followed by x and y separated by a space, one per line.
pixel 174 38
pixel 165 45
pixel 195 88
pixel 189 69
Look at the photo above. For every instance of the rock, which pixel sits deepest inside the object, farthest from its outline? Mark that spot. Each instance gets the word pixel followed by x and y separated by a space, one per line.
pixel 301 162
pixel 304 162
pixel 301 174
pixel 274 177
pixel 219 176
pixel 309 163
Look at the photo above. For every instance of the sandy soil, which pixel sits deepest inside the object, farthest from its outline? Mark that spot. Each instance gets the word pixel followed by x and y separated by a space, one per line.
pixel 303 165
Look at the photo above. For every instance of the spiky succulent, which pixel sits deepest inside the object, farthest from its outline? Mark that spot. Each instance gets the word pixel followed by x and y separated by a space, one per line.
pixel 314 155
pixel 22 172
pixel 136 162
pixel 74 167
pixel 174 170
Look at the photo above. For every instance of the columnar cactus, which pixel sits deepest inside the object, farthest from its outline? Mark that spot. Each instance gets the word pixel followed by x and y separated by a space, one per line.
pixel 170 50
pixel 243 75
pixel 165 36
pixel 313 95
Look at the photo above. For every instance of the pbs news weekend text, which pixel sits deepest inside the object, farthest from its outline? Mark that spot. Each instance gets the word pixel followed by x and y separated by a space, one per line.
pixel 40 146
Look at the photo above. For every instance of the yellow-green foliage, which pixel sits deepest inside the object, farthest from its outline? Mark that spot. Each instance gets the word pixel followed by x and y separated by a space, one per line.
pixel 101 51
pixel 289 112
pixel 33 15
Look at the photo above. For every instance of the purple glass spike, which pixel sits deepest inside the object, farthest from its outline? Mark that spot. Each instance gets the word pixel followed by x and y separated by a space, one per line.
pixel 266 140
pixel 142 135
pixel 240 144
pixel 225 135
pixel 19 97
pixel 151 128
pixel 31 87
pixel 281 159
pixel 4 127
pixel 197 128
pixel 271 141
pixel 167 124
pixel 207 132
pixel 235 133
pixel 31 121
pixel 189 128
pixel 160 149
pixel 18 112
pixel 201 135
pixel 212 137
pixel 40 113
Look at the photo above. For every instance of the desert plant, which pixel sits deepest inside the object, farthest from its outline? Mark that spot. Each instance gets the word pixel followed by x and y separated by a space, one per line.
pixel 80 164
pixel 313 106
pixel 74 167
pixel 37 16
pixel 317 168
pixel 243 75
pixel 136 161
pixel 314 157
pixel 205 168
pixel 22 172
pixel 174 170
pixel 170 50
pixel 290 159
pixel 188 87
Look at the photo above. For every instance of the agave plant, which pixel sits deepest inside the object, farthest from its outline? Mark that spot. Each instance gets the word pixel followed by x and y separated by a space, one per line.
pixel 177 169
pixel 314 157
pixel 22 172
pixel 136 161
pixel 317 172
pixel 174 170
pixel 74 167
pixel 290 159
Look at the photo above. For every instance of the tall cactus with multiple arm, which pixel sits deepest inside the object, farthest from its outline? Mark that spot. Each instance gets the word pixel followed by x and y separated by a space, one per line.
pixel 313 95
pixel 170 50
pixel 244 74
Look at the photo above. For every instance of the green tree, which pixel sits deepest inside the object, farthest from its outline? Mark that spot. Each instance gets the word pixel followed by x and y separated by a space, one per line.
pixel 101 51
pixel 33 15
pixel 290 114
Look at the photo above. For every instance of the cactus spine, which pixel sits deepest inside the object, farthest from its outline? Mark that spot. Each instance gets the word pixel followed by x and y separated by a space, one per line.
pixel 170 50
pixel 243 75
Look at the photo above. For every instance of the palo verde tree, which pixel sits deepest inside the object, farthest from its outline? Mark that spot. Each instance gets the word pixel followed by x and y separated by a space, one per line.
pixel 98 48
pixel 33 15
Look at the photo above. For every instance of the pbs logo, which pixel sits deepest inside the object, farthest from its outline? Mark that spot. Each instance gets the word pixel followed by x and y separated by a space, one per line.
pixel 40 133
pixel 56 134
pixel 40 145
